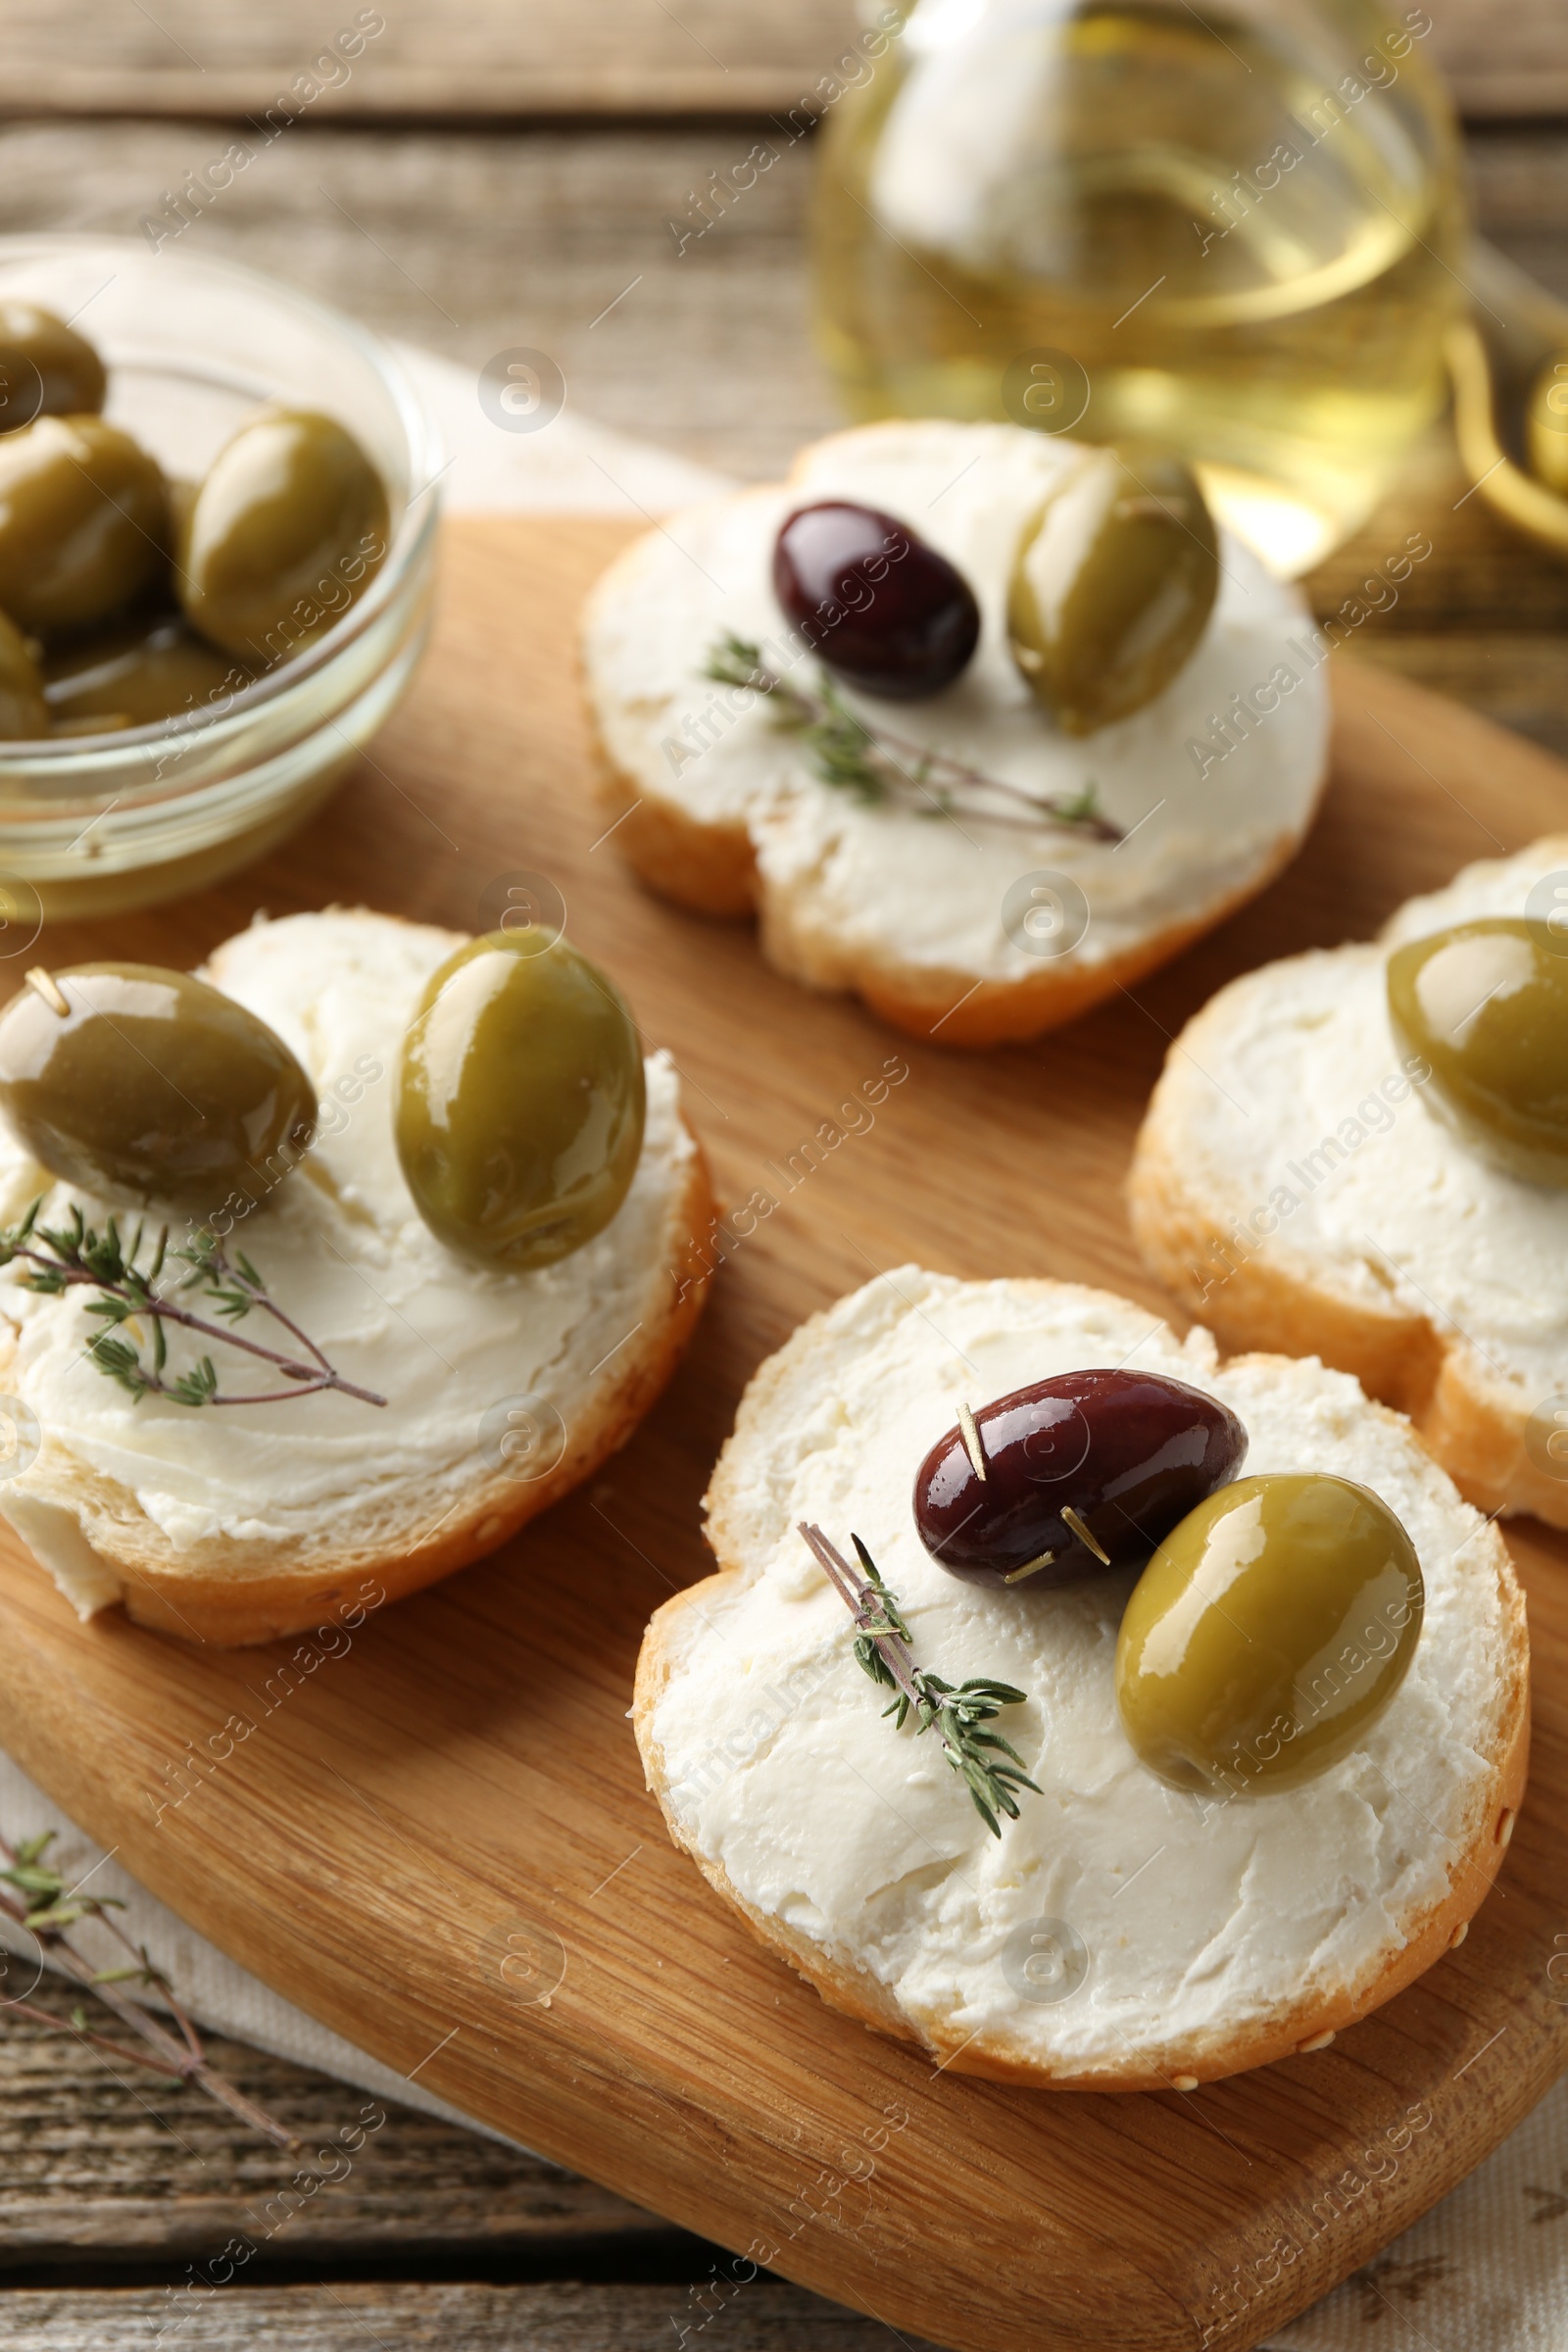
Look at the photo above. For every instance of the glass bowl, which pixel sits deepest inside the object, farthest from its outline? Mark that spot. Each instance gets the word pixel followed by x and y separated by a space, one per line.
pixel 92 824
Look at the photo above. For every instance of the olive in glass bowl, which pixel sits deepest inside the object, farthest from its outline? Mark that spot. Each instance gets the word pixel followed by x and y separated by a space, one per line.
pixel 46 367
pixel 83 522
pixel 93 822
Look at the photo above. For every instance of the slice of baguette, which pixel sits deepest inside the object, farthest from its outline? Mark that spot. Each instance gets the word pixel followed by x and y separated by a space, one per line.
pixel 1290 1186
pixel 720 810
pixel 503 1390
pixel 1119 1936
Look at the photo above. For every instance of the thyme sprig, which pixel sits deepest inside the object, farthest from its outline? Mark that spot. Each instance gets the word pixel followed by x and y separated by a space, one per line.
pixel 874 764
pixel 42 1904
pixel 990 1767
pixel 75 1256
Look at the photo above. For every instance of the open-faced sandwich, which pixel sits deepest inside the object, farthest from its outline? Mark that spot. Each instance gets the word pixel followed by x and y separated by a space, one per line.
pixel 980 722
pixel 329 1267
pixel 1382 1178
pixel 1098 1714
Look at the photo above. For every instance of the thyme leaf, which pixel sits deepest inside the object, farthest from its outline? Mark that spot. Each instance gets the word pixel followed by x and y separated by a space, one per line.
pixel 73 1256
pixel 876 767
pixel 990 1767
pixel 49 1911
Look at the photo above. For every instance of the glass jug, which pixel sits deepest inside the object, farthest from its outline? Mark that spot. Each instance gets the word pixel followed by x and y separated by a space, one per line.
pixel 1237 233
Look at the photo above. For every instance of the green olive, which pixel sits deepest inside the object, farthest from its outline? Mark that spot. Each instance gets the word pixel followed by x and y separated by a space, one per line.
pixel 151 1087
pixel 1113 587
pixel 1546 425
pixel 24 713
pixel 46 368
pixel 286 532
pixel 82 522
pixel 129 677
pixel 521 1101
pixel 1485 1004
pixel 1268 1632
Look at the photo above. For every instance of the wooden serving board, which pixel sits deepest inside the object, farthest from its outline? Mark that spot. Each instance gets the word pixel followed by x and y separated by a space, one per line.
pixel 425 1834
pixel 530 59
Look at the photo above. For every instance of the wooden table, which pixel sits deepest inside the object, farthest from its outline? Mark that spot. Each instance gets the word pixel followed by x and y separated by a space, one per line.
pixel 487 176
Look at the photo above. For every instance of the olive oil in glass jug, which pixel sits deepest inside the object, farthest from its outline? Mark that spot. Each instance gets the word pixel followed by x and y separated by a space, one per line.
pixel 1237 233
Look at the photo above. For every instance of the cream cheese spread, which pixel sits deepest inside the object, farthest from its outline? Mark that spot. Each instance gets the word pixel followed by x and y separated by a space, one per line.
pixel 1307 1144
pixel 1192 1919
pixel 343 1250
pixel 1201 809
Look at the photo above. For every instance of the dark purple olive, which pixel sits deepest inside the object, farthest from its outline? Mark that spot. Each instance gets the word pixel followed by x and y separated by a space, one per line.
pixel 880 606
pixel 1085 1471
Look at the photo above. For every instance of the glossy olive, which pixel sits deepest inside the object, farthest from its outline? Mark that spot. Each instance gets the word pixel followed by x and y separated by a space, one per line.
pixel 521 1101
pixel 1113 587
pixel 130 677
pixel 876 603
pixel 1546 425
pixel 23 712
pixel 83 522
pixel 1129 1454
pixel 1267 1634
pixel 46 368
pixel 1485 1004
pixel 284 534
pixel 152 1088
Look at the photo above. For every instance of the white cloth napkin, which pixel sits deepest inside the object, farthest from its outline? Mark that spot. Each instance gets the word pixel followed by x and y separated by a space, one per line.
pixel 1485 2271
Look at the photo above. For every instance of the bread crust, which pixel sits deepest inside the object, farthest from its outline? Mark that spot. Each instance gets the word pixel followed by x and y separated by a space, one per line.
pixel 852 1989
pixel 711 869
pixel 272 1598
pixel 1470 1418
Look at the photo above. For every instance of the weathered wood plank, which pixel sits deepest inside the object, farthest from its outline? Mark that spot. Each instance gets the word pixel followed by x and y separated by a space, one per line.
pixel 1480 619
pixel 103 2160
pixel 473 242
pixel 489 58
pixel 1478 576
pixel 569 2318
pixel 526 57
pixel 1521 682
pixel 1519 183
pixel 1503 57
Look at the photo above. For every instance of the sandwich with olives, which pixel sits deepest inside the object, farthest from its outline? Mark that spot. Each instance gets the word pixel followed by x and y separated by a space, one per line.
pixel 1383 1180
pixel 967 715
pixel 1095 1713
pixel 324 1270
